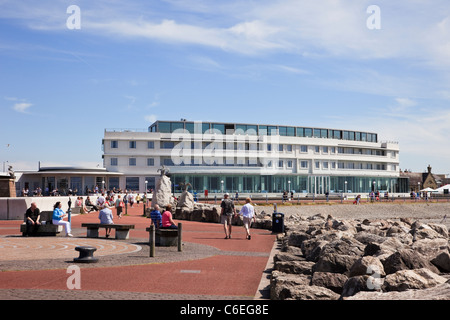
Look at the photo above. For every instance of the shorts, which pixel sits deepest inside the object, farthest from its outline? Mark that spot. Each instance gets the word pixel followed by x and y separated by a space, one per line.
pixel 226 219
pixel 247 222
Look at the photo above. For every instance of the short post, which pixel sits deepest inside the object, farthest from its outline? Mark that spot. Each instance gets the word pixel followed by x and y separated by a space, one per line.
pixel 180 242
pixel 152 240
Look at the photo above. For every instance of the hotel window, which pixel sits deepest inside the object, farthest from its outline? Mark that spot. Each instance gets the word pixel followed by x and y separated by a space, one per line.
pixel 168 162
pixel 317 164
pixel 333 150
pixel 150 162
pixel 308 132
pixel 325 150
pixel 269 147
pixel 333 165
pixel 316 149
pixel 304 164
pixel 304 149
pixel 325 165
pixel 280 163
pixel 269 164
pixel 114 144
pixel 289 164
pixel 167 145
pixel 289 147
pixel 132 162
pixel 114 161
pixel 280 147
pixel 132 144
pixel 151 144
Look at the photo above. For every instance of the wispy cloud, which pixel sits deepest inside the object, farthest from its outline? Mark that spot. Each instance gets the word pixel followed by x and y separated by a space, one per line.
pixel 20 105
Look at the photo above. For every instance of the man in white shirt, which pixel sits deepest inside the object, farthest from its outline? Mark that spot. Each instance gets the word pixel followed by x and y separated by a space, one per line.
pixel 248 214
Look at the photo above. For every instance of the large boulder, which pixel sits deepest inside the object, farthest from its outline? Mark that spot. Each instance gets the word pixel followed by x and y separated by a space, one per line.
pixel 329 280
pixel 442 262
pixel 412 279
pixel 162 195
pixel 407 259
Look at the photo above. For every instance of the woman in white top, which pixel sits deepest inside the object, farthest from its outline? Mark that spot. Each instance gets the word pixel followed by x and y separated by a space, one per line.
pixel 248 214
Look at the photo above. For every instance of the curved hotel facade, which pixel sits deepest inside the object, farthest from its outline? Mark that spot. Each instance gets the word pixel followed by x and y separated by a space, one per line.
pixel 252 158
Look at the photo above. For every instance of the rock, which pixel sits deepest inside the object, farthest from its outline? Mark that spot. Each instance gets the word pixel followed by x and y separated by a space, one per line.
pixel 354 285
pixel 412 279
pixel 334 262
pixel 440 228
pixel 296 238
pixel 186 201
pixel 285 256
pixel 430 247
pixel 406 259
pixel 312 248
pixel 307 292
pixel 345 246
pixel 367 237
pixel 367 265
pixel 280 281
pixel 439 292
pixel 329 280
pixel 162 195
pixel 294 267
pixel 372 249
pixel 442 262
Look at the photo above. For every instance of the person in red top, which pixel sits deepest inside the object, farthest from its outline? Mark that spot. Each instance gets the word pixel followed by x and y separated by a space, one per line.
pixel 166 220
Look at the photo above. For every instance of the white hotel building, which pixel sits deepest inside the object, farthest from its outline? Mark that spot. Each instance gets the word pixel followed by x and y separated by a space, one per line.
pixel 252 158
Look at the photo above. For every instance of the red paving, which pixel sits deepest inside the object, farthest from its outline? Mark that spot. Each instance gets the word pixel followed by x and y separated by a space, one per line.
pixel 237 271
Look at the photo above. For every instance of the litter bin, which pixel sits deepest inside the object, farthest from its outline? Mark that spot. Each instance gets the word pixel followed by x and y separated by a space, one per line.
pixel 277 222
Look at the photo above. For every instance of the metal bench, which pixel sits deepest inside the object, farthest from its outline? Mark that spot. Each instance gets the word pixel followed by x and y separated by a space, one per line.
pixel 122 230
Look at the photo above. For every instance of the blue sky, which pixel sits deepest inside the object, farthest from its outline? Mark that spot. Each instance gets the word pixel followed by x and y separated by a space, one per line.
pixel 306 63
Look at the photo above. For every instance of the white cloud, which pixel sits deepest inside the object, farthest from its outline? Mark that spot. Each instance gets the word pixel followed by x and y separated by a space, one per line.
pixel 150 118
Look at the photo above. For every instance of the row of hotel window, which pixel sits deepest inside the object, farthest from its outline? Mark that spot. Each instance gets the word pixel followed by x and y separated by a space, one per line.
pixel 304 164
pixel 170 127
pixel 268 147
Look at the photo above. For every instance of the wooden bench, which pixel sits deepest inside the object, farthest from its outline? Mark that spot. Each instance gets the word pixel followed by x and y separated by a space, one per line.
pixel 122 230
pixel 165 237
pixel 47 228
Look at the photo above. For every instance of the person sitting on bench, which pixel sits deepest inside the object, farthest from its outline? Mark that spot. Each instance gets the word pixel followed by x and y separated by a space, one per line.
pixel 106 217
pixel 167 222
pixel 32 217
pixel 58 216
pixel 156 217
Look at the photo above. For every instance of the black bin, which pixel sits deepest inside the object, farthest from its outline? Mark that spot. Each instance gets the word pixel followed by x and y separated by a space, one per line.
pixel 277 222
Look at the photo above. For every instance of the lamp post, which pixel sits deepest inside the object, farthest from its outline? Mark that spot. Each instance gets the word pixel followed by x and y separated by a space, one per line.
pixel 103 185
pixel 289 188
pixel 221 185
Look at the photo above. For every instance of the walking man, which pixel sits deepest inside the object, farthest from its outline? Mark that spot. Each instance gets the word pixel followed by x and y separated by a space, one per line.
pixel 227 213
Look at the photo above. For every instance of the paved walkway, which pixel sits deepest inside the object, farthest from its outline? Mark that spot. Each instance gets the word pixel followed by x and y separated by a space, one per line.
pixel 209 267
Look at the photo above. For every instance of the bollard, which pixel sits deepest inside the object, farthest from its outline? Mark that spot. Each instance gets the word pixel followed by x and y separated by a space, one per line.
pixel 180 243
pixel 86 254
pixel 152 240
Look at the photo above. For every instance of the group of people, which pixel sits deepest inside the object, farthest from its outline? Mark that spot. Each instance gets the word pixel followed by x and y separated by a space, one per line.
pixel 160 220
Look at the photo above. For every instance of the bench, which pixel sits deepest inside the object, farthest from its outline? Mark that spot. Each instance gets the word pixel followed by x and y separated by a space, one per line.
pixel 165 237
pixel 122 230
pixel 47 228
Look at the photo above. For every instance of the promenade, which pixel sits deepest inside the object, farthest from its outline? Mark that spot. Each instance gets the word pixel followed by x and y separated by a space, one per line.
pixel 208 268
